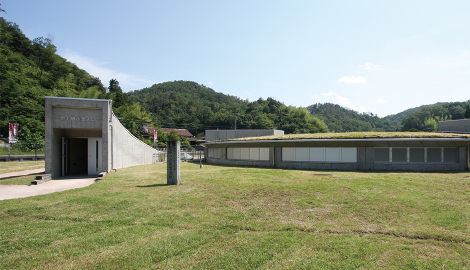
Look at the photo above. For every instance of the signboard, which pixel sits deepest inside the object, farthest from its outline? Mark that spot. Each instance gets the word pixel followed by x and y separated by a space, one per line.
pixel 155 137
pixel 12 133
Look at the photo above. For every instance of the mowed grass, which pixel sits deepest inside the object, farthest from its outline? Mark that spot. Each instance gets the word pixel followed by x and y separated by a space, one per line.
pixel 225 217
pixel 15 166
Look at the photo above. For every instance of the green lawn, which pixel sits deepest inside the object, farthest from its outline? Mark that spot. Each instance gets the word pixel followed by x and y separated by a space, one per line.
pixel 17 166
pixel 239 218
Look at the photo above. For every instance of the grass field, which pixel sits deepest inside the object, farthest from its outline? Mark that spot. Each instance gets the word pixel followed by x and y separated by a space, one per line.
pixel 6 167
pixel 240 218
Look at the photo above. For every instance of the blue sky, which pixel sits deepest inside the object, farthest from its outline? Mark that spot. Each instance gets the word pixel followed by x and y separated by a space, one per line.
pixel 371 56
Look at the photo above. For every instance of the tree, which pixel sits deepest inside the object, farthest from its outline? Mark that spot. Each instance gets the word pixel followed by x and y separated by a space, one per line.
pixel 467 111
pixel 114 86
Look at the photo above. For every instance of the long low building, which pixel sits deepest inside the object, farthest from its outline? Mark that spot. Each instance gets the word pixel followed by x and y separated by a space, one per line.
pixel 446 153
pixel 83 136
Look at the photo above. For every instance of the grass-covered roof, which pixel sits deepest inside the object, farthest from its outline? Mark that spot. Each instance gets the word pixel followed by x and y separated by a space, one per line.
pixel 356 135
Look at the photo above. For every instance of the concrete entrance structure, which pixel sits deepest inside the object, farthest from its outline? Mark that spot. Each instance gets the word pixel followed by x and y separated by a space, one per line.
pixel 83 136
pixel 387 154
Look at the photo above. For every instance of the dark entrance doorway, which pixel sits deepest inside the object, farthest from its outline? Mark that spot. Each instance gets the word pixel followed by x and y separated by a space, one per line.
pixel 74 156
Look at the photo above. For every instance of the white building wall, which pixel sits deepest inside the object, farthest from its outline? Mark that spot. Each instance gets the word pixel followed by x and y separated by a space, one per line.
pixel 127 150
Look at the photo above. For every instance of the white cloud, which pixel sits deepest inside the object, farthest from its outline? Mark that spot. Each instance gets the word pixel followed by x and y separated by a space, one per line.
pixel 370 66
pixel 344 102
pixel 126 81
pixel 352 79
pixel 331 93
pixel 380 100
pixel 210 82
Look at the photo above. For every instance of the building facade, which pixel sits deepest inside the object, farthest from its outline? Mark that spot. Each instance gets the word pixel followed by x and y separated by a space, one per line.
pixel 83 136
pixel 388 154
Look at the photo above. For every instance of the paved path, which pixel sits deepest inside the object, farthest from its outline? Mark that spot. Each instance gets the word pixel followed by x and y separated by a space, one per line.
pixel 21 191
pixel 15 174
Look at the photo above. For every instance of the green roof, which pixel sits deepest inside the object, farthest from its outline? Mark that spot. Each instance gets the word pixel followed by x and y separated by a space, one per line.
pixel 356 135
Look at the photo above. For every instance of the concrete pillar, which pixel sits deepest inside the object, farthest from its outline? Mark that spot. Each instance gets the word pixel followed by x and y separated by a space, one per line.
pixel 173 176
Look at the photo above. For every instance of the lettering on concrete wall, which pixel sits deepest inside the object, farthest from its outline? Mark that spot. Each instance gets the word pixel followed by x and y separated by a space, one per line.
pixel 78 118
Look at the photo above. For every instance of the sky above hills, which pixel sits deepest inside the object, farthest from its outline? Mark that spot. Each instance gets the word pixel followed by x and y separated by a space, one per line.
pixel 371 56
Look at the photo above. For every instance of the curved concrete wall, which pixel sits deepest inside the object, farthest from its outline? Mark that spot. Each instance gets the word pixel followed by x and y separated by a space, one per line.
pixel 126 149
pixel 218 153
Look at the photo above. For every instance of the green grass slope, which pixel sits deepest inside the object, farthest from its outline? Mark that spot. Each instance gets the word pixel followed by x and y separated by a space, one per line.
pixel 241 218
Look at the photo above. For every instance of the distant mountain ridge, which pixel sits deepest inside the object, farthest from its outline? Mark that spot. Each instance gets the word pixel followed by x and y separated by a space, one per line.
pixel 398 117
pixel 340 119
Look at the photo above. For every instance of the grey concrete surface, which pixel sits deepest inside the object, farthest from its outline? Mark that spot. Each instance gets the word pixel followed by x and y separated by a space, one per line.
pixel 8 192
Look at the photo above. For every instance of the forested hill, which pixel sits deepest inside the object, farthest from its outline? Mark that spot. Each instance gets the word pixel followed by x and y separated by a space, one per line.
pixel 339 119
pixel 185 104
pixel 29 71
pixel 426 118
pixel 402 115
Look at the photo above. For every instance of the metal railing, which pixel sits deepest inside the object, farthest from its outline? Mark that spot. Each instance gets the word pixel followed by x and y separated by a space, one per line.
pixel 188 153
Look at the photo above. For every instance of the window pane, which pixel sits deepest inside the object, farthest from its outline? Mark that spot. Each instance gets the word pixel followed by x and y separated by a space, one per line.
pixel 381 155
pixel 332 154
pixel 264 154
pixel 348 154
pixel 288 153
pixel 416 154
pixel 398 154
pixel 245 153
pixel 302 154
pixel 433 155
pixel 254 153
pixel 316 154
pixel 451 155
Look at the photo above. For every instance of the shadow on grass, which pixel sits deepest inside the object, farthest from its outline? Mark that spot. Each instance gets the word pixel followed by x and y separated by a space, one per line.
pixel 333 171
pixel 155 185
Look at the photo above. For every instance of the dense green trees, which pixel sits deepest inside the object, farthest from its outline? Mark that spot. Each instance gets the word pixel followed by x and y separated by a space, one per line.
pixel 426 119
pixel 31 70
pixel 183 104
pixel 339 119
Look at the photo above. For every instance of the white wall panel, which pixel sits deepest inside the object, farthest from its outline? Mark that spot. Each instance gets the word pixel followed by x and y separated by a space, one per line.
pixel 264 154
pixel 254 153
pixel 229 153
pixel 317 154
pixel 348 154
pixel 302 154
pixel 288 154
pixel 332 154
pixel 237 153
pixel 245 153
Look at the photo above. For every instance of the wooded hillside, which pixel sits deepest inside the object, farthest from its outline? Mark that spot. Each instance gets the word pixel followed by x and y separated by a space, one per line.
pixel 185 104
pixel 31 70
pixel 339 119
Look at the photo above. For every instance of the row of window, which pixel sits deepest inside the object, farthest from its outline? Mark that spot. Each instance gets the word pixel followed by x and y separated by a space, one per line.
pixel 252 153
pixel 248 153
pixel 344 154
pixel 417 155
pixel 320 154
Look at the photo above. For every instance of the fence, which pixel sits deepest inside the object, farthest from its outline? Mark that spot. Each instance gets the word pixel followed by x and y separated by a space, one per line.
pixel 21 151
pixel 188 153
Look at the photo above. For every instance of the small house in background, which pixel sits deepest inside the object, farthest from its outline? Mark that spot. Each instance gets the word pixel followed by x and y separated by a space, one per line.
pixel 181 132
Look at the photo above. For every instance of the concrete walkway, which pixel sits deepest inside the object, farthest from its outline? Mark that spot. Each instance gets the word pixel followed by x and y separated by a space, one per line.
pixel 22 191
